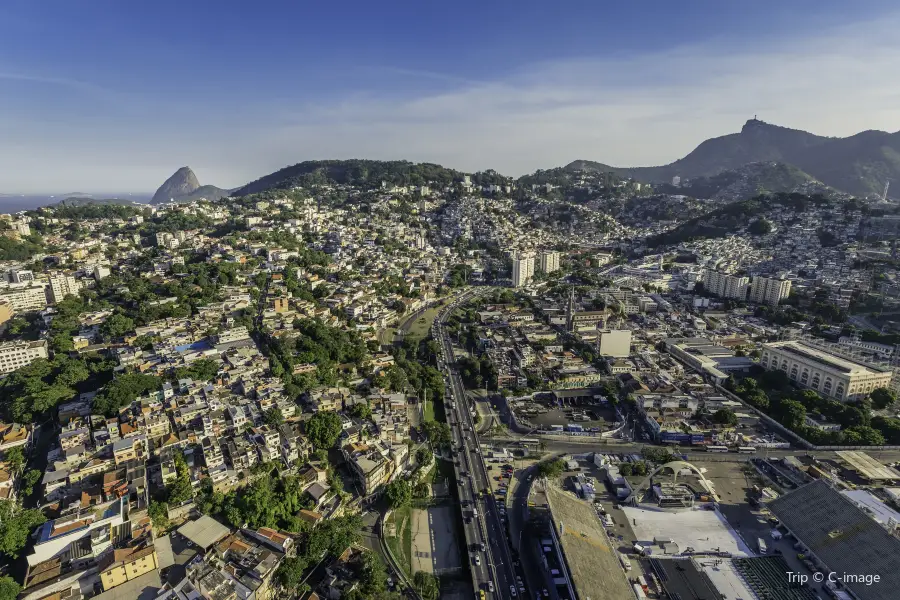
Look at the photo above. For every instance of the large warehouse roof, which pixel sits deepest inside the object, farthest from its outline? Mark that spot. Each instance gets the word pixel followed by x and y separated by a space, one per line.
pixel 843 537
pixel 868 467
pixel 204 532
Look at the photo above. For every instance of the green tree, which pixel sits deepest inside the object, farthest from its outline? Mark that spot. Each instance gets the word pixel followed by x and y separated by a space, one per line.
pixel 323 429
pixel 626 469
pixel 159 514
pixel 180 490
pixel 274 417
pixel 793 414
pixel 863 436
pixel 882 398
pixel 427 584
pixel 725 416
pixel 29 479
pixel 360 410
pixel 290 574
pixel 551 468
pixel 398 493
pixel 9 588
pixel 424 457
pixel 116 326
pixel 16 524
pixel 16 459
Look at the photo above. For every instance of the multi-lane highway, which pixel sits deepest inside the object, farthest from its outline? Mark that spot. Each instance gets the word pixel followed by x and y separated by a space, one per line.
pixel 486 542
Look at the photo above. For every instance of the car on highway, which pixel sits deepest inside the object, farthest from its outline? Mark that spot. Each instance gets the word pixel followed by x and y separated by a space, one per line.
pixel 512 591
pixel 477 560
pixel 491 586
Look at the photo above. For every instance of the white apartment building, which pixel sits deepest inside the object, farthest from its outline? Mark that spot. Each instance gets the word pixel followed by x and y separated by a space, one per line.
pixel 14 355
pixel 101 271
pixel 522 271
pixel 725 285
pixel 62 284
pixel 549 261
pixel 768 290
pixel 21 275
pixel 829 374
pixel 26 298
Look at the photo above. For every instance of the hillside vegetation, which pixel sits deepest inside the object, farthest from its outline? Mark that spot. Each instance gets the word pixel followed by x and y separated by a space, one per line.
pixel 859 165
pixel 736 216
pixel 362 172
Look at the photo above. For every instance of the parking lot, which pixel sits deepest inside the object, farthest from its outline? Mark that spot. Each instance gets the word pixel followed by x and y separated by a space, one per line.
pixel 545 413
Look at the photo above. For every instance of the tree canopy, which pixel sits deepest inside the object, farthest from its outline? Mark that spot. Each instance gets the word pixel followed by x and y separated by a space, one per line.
pixel 323 429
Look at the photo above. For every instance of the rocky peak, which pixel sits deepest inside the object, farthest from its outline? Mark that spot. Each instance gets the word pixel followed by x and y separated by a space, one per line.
pixel 181 183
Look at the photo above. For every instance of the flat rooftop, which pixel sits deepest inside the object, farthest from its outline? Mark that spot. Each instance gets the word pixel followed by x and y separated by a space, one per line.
pixel 702 530
pixel 683 580
pixel 204 532
pixel 592 562
pixel 826 358
pixel 842 536
pixel 868 467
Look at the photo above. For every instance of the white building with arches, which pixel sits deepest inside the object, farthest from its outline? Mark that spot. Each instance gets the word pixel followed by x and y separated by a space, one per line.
pixel 831 375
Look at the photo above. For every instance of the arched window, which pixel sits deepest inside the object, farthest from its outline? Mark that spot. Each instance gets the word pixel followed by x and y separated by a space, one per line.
pixel 827 388
pixel 804 378
pixel 794 372
pixel 839 391
pixel 784 365
pixel 815 382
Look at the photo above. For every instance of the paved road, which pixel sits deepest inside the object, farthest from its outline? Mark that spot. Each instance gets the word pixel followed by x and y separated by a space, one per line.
pixel 484 528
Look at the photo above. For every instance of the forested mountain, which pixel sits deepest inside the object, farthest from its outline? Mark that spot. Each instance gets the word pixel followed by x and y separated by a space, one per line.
pixel 738 216
pixel 360 171
pixel 859 165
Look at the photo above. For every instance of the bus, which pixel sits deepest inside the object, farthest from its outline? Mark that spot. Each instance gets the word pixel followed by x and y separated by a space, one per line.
pixel 717 448
pixel 747 450
pixel 530 442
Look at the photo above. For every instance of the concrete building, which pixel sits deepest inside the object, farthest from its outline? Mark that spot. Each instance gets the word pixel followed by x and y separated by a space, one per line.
pixel 62 284
pixel 725 285
pixel 614 342
pixel 101 271
pixel 766 290
pixel 549 261
pixel 21 275
pixel 26 298
pixel 522 270
pixel 15 355
pixel 831 375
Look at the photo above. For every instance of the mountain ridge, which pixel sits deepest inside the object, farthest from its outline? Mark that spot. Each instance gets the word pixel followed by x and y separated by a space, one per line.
pixel 859 164
pixel 183 186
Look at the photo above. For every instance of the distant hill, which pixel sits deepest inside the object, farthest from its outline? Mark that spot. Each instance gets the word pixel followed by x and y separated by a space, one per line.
pixel 363 171
pixel 87 200
pixel 859 165
pixel 737 216
pixel 184 186
pixel 748 181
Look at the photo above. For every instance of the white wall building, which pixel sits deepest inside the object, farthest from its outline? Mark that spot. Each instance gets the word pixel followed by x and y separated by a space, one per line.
pixel 26 298
pixel 831 375
pixel 766 290
pixel 522 271
pixel 549 261
pixel 62 284
pixel 725 285
pixel 15 355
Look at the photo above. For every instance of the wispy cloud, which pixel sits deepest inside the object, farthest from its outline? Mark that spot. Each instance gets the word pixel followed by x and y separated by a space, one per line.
pixel 74 84
pixel 625 110
pixel 639 109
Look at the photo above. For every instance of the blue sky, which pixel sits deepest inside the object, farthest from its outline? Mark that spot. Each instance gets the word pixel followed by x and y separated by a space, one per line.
pixel 105 95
